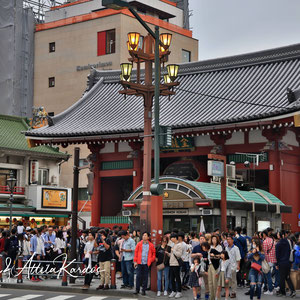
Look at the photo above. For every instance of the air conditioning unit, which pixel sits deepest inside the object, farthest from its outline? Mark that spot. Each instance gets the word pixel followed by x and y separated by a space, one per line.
pixel 206 212
pixel 126 213
pixel 230 171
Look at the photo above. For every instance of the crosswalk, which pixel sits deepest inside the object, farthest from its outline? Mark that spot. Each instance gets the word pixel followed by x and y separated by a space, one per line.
pixel 58 297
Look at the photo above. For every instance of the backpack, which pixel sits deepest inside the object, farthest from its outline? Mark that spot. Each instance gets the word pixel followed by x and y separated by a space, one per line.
pixel 13 246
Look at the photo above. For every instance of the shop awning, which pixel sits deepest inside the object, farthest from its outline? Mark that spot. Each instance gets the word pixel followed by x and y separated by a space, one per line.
pixel 32 214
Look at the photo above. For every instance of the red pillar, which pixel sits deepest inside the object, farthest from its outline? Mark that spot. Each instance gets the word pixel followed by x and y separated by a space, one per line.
pixel 96 197
pixel 274 171
pixel 137 164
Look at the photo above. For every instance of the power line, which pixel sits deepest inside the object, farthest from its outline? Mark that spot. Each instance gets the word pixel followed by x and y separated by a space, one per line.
pixel 228 99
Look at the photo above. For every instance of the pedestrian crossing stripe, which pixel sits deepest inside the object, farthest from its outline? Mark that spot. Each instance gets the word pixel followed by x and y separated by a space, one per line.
pixel 4 295
pixel 26 297
pixel 64 297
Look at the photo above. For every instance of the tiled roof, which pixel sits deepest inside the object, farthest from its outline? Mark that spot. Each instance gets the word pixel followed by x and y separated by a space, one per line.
pixel 220 91
pixel 12 139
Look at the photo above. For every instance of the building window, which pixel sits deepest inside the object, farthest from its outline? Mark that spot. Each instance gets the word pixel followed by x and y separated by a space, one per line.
pixel 4 175
pixel 186 56
pixel 51 82
pixel 43 177
pixel 52 47
pixel 106 42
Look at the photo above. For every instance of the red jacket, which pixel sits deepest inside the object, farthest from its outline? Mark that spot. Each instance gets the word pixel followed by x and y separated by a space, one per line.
pixel 138 253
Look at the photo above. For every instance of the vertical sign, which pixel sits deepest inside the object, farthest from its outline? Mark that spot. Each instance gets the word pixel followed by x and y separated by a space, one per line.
pixel 33 172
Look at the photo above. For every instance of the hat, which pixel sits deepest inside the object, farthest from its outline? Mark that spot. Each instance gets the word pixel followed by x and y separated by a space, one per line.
pixel 28 228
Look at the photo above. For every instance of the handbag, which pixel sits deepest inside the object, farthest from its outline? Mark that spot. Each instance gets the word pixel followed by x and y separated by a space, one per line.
pixel 180 260
pixel 162 265
pixel 257 267
pixel 265 267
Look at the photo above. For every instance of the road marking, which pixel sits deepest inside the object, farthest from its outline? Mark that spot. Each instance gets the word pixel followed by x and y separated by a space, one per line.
pixel 4 295
pixel 96 298
pixel 60 297
pixel 26 297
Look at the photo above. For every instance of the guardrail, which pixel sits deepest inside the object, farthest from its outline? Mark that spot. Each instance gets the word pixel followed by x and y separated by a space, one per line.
pixel 18 190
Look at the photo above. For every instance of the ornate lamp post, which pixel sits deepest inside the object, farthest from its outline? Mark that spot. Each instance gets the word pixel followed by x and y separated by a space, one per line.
pixel 11 183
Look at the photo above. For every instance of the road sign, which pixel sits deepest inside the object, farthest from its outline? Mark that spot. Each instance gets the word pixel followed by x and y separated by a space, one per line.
pixel 215 168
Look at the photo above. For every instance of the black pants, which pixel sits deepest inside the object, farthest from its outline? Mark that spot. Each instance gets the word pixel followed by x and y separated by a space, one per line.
pixel 142 276
pixel 175 278
pixel 89 275
pixel 241 272
pixel 284 273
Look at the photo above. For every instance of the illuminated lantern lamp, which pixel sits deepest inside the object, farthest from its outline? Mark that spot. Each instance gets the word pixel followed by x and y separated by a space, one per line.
pixel 203 204
pixel 129 205
pixel 7 220
pixel 123 79
pixel 162 49
pixel 173 71
pixel 129 47
pixel 166 38
pixel 126 69
pixel 133 40
pixel 167 79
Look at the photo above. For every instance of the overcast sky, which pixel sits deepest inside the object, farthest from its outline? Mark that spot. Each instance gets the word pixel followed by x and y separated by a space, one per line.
pixel 229 27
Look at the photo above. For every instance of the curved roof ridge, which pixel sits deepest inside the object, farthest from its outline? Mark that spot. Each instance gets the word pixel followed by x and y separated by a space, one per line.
pixel 263 196
pixel 220 63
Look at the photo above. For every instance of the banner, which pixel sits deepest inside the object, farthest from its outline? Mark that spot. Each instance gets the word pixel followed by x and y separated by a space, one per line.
pixel 54 198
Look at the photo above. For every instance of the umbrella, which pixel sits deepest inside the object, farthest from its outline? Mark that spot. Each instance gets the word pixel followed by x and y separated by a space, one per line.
pixel 202 227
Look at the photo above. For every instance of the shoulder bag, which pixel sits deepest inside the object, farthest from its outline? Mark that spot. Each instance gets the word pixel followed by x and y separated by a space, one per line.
pixel 257 267
pixel 162 265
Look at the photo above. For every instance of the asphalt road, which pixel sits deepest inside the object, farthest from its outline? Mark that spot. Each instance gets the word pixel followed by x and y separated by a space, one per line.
pixel 10 294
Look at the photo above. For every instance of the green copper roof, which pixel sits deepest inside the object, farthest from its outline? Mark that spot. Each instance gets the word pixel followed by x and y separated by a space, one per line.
pixel 212 191
pixel 11 137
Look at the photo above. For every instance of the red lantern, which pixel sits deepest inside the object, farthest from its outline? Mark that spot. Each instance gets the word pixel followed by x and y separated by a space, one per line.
pixel 7 220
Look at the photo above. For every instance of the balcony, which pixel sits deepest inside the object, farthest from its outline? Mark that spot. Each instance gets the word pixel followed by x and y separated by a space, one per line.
pixel 18 190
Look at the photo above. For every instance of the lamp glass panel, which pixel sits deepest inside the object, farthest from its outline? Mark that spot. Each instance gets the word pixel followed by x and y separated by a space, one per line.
pixel 133 39
pixel 172 71
pixel 126 69
pixel 166 38
pixel 167 79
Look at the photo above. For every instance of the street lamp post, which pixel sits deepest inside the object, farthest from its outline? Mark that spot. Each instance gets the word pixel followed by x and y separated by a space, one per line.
pixel 151 208
pixel 11 183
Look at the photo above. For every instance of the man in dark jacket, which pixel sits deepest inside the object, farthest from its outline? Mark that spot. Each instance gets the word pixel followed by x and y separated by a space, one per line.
pixel 283 256
pixel 241 243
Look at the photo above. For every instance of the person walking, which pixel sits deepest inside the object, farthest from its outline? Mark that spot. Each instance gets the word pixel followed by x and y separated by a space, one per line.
pixel 283 251
pixel 163 252
pixel 175 264
pixel 127 250
pixel 144 256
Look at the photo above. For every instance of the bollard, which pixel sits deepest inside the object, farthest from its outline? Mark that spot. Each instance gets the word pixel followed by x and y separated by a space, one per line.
pixel 64 276
pixel 1 268
pixel 20 269
pixel 113 266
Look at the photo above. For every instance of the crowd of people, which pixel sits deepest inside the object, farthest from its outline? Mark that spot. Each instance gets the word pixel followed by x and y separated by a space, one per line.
pixel 205 263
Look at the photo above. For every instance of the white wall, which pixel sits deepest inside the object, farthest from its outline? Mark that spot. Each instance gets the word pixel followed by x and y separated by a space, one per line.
pixel 237 138
pixel 255 136
pixel 290 138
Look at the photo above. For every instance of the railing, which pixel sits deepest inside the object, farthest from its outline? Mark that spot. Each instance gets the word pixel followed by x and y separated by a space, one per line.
pixel 18 190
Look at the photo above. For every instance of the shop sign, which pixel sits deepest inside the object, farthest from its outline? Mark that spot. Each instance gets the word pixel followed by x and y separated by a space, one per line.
pixel 54 198
pixel 34 172
pixel 180 145
pixel 215 168
pixel 175 212
pixel 97 65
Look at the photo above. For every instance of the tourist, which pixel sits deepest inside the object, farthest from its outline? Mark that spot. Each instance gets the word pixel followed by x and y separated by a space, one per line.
pixel 144 256
pixel 163 252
